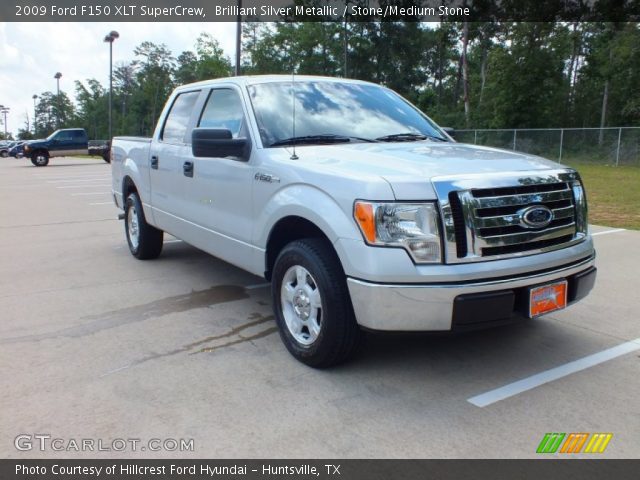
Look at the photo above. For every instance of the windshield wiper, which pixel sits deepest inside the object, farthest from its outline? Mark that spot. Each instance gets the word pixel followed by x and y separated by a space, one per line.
pixel 318 139
pixel 408 137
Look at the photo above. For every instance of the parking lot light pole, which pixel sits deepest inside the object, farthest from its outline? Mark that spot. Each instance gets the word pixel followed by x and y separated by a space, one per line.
pixel 57 77
pixel 35 114
pixel 109 38
pixel 4 110
pixel 238 39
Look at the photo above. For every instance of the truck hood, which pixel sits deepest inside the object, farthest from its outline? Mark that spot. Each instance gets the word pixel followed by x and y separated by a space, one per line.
pixel 409 166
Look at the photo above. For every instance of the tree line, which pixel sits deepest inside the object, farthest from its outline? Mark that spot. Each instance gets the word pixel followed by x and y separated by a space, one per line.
pixel 462 74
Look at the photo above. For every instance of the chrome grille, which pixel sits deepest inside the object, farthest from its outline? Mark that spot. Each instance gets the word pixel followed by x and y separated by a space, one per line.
pixel 483 218
pixel 497 223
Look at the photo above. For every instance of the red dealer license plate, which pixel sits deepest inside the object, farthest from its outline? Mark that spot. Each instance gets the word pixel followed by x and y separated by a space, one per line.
pixel 547 298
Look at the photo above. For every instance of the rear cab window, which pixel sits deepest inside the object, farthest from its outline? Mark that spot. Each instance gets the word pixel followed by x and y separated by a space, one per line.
pixel 177 121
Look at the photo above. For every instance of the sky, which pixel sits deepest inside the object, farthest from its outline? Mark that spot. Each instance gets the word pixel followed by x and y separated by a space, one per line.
pixel 31 54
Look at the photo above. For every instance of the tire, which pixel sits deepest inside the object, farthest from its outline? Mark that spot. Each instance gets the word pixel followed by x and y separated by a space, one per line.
pixel 106 158
pixel 40 158
pixel 312 306
pixel 145 241
pixel 4 154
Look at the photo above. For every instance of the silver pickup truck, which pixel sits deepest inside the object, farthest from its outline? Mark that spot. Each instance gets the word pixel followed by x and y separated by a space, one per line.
pixel 360 210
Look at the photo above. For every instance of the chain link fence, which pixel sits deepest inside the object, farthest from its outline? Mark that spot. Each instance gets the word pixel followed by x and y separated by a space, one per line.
pixel 605 146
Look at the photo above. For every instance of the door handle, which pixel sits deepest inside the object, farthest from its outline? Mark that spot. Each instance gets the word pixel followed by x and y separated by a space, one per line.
pixel 187 169
pixel 154 162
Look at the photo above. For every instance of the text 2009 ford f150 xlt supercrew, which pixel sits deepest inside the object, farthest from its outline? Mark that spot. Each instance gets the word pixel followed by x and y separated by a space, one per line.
pixel 358 208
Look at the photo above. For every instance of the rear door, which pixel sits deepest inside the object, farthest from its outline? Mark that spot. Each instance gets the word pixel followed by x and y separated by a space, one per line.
pixel 166 159
pixel 80 144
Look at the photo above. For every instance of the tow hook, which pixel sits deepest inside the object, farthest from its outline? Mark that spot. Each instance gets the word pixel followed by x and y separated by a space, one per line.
pixel 121 216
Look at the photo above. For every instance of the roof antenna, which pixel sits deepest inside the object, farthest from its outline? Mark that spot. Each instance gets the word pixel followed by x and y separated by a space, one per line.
pixel 293 96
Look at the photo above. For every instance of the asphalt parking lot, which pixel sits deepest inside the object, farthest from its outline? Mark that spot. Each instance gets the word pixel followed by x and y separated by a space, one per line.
pixel 95 344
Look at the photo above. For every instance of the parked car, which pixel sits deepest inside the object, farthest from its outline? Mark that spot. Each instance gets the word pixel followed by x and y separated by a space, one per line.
pixel 61 143
pixel 360 210
pixel 4 148
pixel 17 150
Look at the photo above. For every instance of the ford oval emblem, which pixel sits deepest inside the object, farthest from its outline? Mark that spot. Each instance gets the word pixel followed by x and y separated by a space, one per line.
pixel 535 216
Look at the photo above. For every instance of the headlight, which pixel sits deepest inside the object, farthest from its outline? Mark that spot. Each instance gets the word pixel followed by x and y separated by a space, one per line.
pixel 413 226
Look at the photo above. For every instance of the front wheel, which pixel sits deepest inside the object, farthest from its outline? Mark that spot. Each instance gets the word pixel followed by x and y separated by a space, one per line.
pixel 40 159
pixel 312 304
pixel 145 241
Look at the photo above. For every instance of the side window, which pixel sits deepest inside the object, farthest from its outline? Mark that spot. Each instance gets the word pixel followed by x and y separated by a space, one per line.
pixel 63 136
pixel 223 110
pixel 78 135
pixel 175 126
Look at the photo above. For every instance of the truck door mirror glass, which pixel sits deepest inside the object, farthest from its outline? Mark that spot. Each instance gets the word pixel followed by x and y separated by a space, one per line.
pixel 219 142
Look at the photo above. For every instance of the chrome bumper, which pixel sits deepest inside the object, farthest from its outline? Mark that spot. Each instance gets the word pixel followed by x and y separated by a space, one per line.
pixel 429 307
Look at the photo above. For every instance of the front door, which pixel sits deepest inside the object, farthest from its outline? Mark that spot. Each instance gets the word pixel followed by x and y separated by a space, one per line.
pixel 218 191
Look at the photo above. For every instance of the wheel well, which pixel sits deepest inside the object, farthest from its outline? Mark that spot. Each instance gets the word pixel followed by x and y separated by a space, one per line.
pixel 285 231
pixel 128 187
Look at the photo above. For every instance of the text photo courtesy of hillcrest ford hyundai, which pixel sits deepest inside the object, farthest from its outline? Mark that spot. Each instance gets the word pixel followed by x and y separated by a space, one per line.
pixel 362 239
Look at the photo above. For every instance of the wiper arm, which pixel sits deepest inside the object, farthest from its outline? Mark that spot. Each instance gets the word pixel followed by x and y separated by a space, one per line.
pixel 408 137
pixel 318 139
pixel 307 139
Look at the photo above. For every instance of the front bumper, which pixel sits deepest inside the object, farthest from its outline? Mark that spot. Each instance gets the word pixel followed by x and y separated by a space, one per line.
pixel 459 305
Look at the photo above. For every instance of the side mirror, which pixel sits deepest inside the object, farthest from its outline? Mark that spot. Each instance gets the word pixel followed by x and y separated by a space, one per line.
pixel 218 142
pixel 449 131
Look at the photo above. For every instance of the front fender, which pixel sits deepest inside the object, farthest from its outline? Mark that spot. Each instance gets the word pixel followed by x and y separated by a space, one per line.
pixel 310 203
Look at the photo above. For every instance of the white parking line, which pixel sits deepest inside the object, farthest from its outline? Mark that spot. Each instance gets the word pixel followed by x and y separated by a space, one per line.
pixel 86 186
pixel 547 376
pixel 79 180
pixel 259 285
pixel 90 193
pixel 609 231
pixel 72 175
pixel 172 241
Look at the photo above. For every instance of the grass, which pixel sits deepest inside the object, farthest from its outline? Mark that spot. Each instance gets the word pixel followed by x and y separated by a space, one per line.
pixel 613 194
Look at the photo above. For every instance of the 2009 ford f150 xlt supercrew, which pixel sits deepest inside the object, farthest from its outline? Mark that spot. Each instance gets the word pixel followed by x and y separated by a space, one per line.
pixel 358 208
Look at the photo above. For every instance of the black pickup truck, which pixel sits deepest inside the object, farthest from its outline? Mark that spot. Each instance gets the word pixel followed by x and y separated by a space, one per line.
pixel 63 143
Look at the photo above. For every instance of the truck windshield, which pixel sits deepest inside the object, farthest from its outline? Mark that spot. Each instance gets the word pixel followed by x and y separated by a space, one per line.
pixel 326 109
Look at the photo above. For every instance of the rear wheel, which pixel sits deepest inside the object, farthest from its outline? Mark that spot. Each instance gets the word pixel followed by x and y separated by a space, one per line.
pixel 40 158
pixel 312 304
pixel 145 241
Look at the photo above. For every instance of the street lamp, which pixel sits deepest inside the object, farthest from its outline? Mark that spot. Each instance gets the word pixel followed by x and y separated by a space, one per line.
pixel 57 77
pixel 4 110
pixel 238 38
pixel 109 38
pixel 35 114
